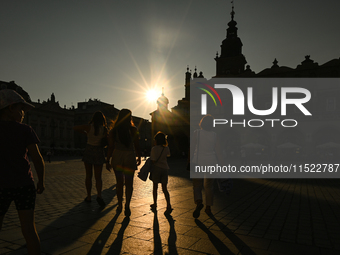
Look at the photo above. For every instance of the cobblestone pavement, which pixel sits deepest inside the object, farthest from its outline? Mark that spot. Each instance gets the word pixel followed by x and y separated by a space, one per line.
pixel 277 216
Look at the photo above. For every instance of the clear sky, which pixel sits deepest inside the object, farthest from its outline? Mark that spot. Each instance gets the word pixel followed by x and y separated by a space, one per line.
pixel 116 50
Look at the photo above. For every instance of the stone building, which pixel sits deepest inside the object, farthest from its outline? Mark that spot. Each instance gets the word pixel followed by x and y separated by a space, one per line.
pixel 310 139
pixel 315 137
pixel 54 124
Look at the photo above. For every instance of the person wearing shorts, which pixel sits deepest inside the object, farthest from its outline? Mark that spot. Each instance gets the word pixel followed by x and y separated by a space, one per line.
pixel 94 156
pixel 126 156
pixel 159 154
pixel 16 177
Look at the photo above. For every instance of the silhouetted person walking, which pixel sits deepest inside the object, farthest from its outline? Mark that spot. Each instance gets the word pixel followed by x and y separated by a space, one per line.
pixel 94 156
pixel 124 148
pixel 206 153
pixel 16 177
pixel 159 154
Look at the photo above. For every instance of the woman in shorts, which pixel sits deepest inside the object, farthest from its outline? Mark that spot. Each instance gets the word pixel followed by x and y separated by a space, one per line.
pixel 126 156
pixel 94 157
pixel 159 154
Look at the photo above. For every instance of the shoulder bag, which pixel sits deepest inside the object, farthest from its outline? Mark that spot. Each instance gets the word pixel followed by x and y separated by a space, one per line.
pixel 147 168
pixel 152 165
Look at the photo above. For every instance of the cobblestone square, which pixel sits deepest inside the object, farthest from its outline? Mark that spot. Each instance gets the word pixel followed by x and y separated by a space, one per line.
pixel 260 216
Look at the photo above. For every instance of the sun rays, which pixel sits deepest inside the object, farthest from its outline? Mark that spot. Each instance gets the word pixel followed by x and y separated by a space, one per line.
pixel 150 71
pixel 147 86
pixel 151 95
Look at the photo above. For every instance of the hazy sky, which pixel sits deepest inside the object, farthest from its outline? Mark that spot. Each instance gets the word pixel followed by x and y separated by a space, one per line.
pixel 116 50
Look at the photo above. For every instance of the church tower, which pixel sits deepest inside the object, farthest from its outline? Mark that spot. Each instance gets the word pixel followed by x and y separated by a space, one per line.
pixel 162 102
pixel 187 84
pixel 231 62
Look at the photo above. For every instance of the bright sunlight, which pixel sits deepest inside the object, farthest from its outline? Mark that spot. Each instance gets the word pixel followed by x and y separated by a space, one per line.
pixel 152 95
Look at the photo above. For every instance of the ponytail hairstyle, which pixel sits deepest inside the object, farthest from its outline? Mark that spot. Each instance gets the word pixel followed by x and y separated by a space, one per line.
pixel 98 120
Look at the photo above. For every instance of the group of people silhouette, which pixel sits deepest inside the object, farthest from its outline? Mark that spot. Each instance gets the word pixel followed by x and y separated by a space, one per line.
pixel 123 157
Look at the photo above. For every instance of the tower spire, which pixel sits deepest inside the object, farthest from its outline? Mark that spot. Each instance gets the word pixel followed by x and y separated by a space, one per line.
pixel 232 29
pixel 231 60
pixel 232 10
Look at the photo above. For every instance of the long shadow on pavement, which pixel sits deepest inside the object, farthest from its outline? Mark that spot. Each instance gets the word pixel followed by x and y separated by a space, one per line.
pixel 157 242
pixel 116 246
pixel 67 229
pixel 233 238
pixel 172 236
pixel 101 241
pixel 218 244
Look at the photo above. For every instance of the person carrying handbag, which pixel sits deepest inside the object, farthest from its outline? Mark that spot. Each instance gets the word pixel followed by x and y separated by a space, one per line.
pixel 159 154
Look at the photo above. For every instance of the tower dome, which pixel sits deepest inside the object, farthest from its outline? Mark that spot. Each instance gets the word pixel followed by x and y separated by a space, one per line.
pixel 162 101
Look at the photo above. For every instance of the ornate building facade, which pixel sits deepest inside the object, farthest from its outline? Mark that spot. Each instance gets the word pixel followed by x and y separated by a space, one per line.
pixel 309 139
pixel 54 124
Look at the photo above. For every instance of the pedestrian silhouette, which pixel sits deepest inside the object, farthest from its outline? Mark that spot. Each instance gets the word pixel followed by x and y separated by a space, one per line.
pixel 206 153
pixel 159 174
pixel 16 177
pixel 123 149
pixel 94 157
